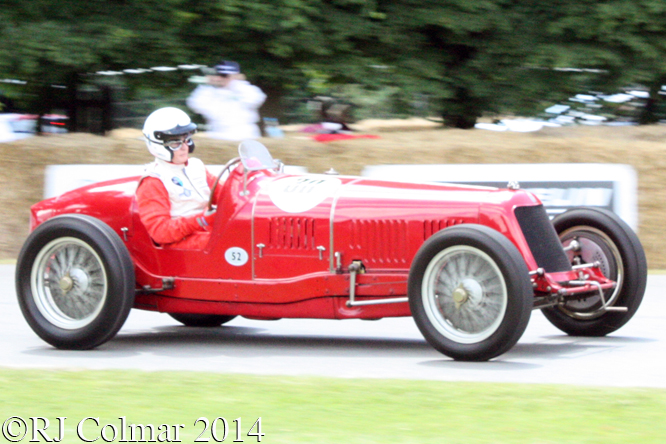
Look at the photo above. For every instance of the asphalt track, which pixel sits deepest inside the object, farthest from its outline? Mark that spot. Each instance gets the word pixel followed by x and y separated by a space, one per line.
pixel 390 348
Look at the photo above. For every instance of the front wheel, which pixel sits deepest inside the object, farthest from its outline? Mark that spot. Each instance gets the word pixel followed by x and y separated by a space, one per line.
pixel 470 292
pixel 75 282
pixel 601 237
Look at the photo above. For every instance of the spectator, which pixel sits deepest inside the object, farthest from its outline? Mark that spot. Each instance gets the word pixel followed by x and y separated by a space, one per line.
pixel 229 103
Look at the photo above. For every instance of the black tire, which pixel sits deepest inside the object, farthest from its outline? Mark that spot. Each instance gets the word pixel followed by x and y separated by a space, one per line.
pixel 201 320
pixel 75 282
pixel 606 238
pixel 470 292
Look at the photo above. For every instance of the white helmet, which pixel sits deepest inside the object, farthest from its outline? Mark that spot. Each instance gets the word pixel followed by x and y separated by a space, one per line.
pixel 163 124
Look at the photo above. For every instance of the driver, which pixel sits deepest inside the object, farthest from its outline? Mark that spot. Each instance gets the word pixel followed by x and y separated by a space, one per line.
pixel 174 190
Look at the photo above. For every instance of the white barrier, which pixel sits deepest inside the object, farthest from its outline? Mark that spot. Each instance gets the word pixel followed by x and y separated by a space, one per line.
pixel 559 186
pixel 59 179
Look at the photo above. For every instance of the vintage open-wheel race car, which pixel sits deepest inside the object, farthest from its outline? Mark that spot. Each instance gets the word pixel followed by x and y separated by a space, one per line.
pixel 468 263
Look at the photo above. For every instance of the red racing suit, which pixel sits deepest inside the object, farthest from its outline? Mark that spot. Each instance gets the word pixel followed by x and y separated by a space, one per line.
pixel 172 200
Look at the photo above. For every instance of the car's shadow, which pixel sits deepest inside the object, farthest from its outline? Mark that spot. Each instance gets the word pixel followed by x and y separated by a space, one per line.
pixel 249 341
pixel 231 341
pixel 236 341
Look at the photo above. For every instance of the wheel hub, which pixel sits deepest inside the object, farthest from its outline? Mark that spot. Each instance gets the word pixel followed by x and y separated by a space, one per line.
pixel 75 277
pixel 81 279
pixel 66 283
pixel 469 292
pixel 459 296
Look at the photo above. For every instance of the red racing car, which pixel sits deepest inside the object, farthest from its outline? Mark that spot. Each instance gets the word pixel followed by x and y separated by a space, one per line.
pixel 468 263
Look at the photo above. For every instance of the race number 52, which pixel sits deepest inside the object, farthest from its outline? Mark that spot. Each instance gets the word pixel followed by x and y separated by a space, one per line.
pixel 236 256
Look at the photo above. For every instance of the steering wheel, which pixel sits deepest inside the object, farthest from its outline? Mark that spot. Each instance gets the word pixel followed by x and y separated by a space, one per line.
pixel 226 168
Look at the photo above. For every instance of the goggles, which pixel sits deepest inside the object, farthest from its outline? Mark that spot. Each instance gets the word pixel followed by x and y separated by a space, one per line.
pixel 175 144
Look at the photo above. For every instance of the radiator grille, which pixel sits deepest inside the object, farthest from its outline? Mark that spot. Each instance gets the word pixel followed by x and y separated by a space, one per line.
pixel 542 239
pixel 293 233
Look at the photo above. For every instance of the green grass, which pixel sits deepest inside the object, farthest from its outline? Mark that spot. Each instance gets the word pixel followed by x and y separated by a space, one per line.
pixel 325 410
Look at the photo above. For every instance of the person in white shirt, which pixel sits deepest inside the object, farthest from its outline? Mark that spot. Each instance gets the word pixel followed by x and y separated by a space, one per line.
pixel 229 103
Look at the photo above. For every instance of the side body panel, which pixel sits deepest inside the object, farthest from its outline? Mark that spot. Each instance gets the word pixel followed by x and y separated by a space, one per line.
pixel 281 245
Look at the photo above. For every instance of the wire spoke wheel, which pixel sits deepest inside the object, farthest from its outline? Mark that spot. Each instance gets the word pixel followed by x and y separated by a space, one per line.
pixel 470 292
pixel 464 294
pixel 604 238
pixel 69 283
pixel 75 282
pixel 594 246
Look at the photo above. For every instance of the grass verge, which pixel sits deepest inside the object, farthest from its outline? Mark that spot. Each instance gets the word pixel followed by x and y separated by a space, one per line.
pixel 321 410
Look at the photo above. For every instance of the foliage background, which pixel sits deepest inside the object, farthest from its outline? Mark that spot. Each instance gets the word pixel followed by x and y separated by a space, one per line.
pixel 468 58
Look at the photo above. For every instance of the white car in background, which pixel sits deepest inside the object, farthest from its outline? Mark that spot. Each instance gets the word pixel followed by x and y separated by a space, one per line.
pixel 14 126
pixel 17 126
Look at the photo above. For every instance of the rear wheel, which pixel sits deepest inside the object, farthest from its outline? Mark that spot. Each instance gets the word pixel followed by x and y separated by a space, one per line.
pixel 201 320
pixel 75 282
pixel 604 238
pixel 470 292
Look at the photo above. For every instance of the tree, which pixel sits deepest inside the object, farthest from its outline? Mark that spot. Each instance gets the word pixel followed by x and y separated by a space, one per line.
pixel 514 56
pixel 470 57
pixel 61 42
pixel 280 42
pixel 626 39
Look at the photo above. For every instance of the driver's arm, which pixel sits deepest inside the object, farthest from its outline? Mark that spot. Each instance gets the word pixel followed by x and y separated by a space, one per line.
pixel 155 213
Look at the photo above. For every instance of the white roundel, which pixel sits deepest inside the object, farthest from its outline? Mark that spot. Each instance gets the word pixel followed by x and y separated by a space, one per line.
pixel 236 256
pixel 301 193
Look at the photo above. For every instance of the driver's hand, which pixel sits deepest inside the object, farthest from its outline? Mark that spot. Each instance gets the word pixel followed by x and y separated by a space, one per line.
pixel 210 211
pixel 206 218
